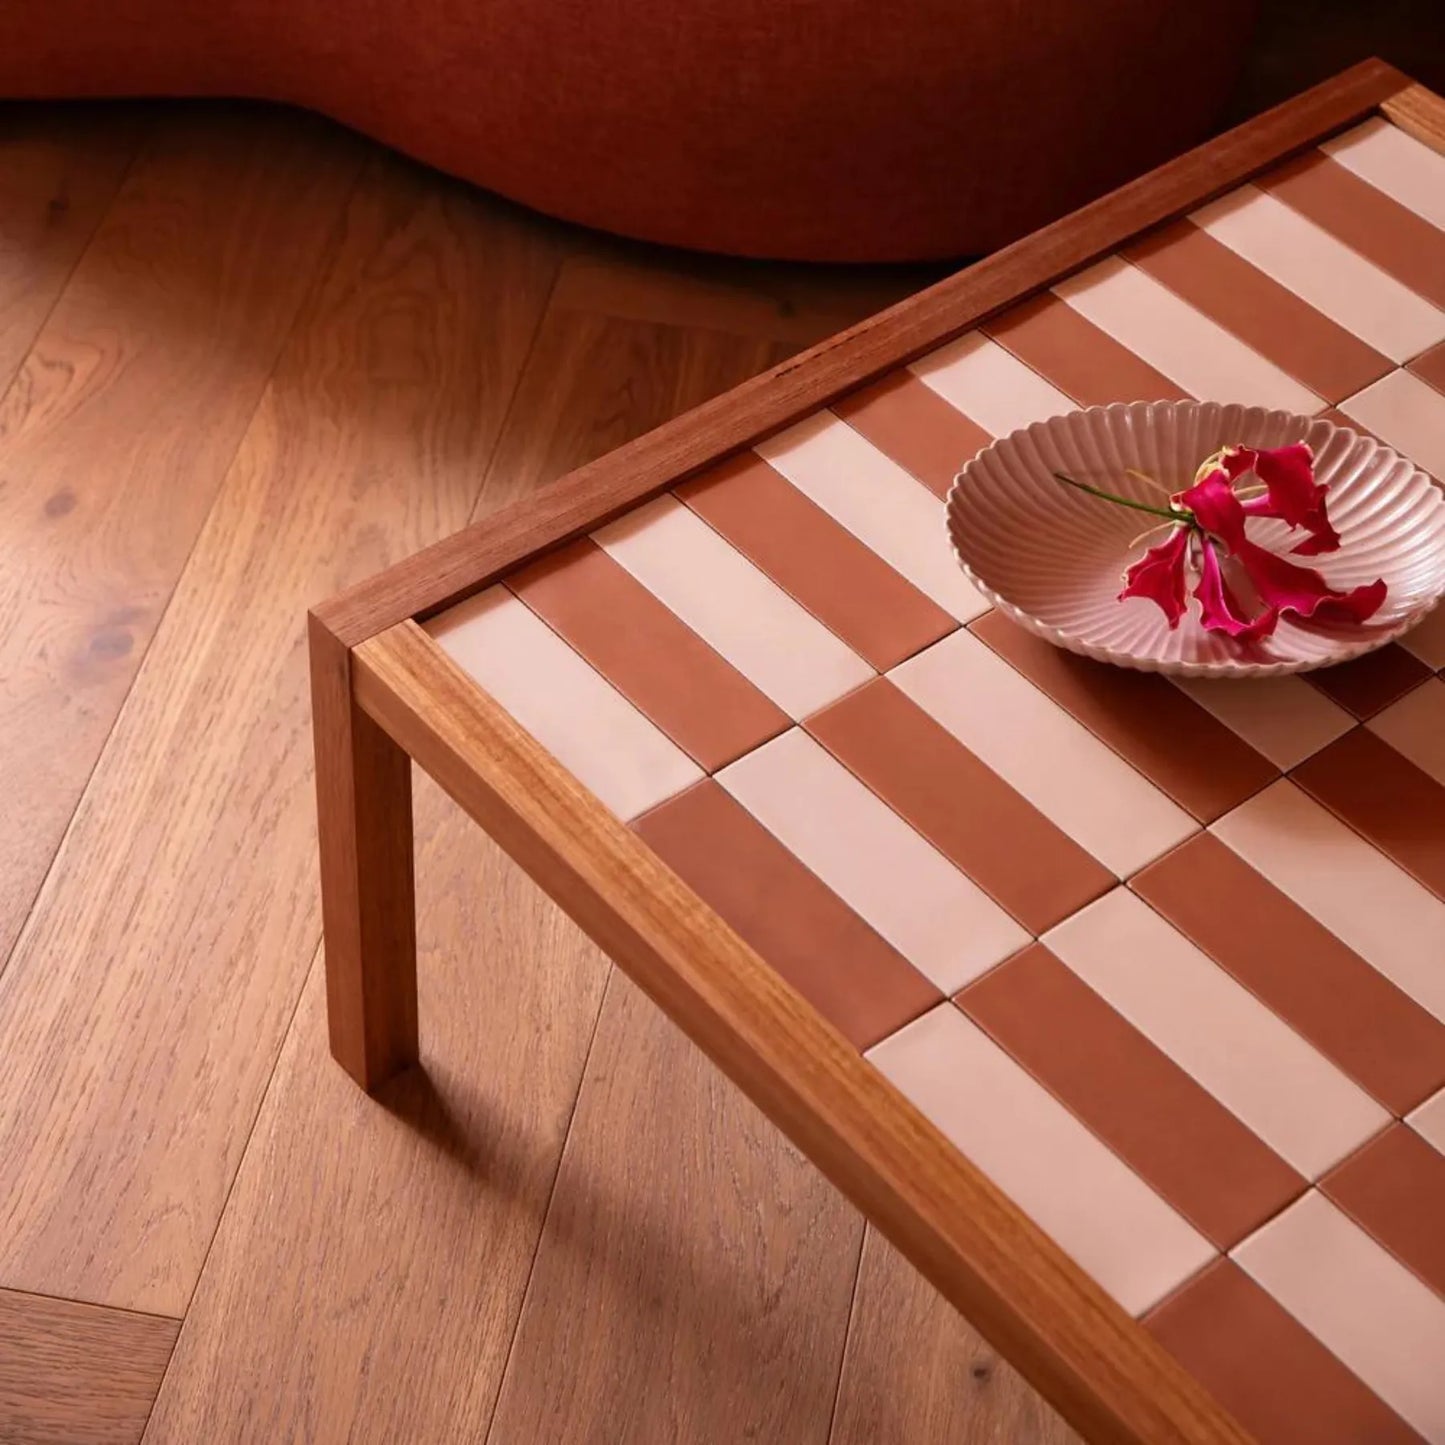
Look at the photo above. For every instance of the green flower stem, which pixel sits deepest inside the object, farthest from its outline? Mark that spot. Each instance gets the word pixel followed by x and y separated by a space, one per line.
pixel 1185 519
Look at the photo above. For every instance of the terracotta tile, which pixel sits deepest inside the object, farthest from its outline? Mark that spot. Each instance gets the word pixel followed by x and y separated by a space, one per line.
pixel 1326 867
pixel 703 703
pixel 1363 1305
pixel 1204 358
pixel 579 717
pixel 1067 1181
pixel 1430 366
pixel 1415 728
pixel 1405 413
pixel 1396 163
pixel 1385 798
pixel 1284 718
pixel 1318 985
pixel 1366 684
pixel 1394 1189
pixel 878 502
pixel 974 818
pixel 1196 759
pixel 1323 271
pixel 911 423
pixel 1266 1369
pixel 799 927
pixel 1174 1134
pixel 990 385
pixel 1266 316
pixel 1400 242
pixel 1076 356
pixel 941 921
pixel 1219 1033
pixel 1077 782
pixel 818 563
pixel 783 650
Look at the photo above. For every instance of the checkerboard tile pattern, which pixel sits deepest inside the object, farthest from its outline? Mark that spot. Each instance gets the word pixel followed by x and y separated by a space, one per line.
pixel 1166 960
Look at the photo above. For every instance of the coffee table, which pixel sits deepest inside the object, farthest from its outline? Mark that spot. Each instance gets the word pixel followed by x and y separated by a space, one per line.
pixel 1116 1003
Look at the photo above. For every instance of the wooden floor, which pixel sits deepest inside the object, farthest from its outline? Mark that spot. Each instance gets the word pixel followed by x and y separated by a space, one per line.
pixel 246 358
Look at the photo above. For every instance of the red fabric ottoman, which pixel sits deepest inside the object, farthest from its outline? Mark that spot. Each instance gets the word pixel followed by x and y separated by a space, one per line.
pixel 845 130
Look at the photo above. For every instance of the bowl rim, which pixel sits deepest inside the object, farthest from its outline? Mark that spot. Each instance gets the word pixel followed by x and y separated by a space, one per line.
pixel 1179 667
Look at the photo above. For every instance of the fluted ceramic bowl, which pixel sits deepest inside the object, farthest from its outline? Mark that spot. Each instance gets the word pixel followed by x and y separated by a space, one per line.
pixel 1053 558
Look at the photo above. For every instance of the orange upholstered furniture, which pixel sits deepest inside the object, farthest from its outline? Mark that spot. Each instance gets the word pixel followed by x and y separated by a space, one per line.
pixel 826 129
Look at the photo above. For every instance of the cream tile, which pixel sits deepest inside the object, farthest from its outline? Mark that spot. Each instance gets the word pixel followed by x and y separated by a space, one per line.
pixel 990 385
pixel 878 502
pixel 1376 1315
pixel 939 920
pixel 1395 163
pixel 1282 717
pixel 1323 271
pixel 1036 747
pixel 1415 728
pixel 1353 889
pixel 1407 413
pixel 579 717
pixel 1189 348
pixel 1217 1031
pixel 727 601
pixel 1428 1120
pixel 1071 1185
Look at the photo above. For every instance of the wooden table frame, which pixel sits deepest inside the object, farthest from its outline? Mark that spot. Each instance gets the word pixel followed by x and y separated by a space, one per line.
pixel 384 694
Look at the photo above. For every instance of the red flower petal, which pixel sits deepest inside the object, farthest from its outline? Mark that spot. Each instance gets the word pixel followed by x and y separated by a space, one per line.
pixel 1288 588
pixel 1216 508
pixel 1291 494
pixel 1219 609
pixel 1159 576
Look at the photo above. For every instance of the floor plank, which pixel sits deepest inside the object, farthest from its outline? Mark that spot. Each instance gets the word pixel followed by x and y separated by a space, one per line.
pixel 411 1320
pixel 693 1280
pixel 73 1374
pixel 915 1373
pixel 145 1005
pixel 793 305
pixel 118 427
pixel 372 1258
pixel 60 167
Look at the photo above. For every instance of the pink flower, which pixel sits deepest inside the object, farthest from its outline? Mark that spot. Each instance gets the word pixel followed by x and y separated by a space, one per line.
pixel 1291 492
pixel 1211 511
pixel 1159 576
pixel 1219 611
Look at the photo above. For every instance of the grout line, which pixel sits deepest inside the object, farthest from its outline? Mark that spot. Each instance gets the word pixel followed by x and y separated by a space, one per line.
pixel 286 1038
pixel 491 1416
pixel 848 1330
pixel 86 1304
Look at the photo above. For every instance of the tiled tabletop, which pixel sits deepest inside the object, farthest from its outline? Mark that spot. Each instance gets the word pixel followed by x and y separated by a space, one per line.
pixel 1165 959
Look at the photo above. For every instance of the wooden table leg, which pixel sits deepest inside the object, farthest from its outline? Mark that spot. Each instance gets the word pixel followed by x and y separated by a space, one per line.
pixel 368 902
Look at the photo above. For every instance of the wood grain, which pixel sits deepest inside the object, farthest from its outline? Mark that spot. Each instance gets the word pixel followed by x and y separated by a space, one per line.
pixel 1420 112
pixel 694 1276
pixel 366 1279
pixel 398 1265
pixel 60 167
pixel 916 1372
pixel 117 431
pixel 144 1009
pixel 74 1374
pixel 794 306
pixel 368 893
pixel 1103 1373
pixel 468 561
